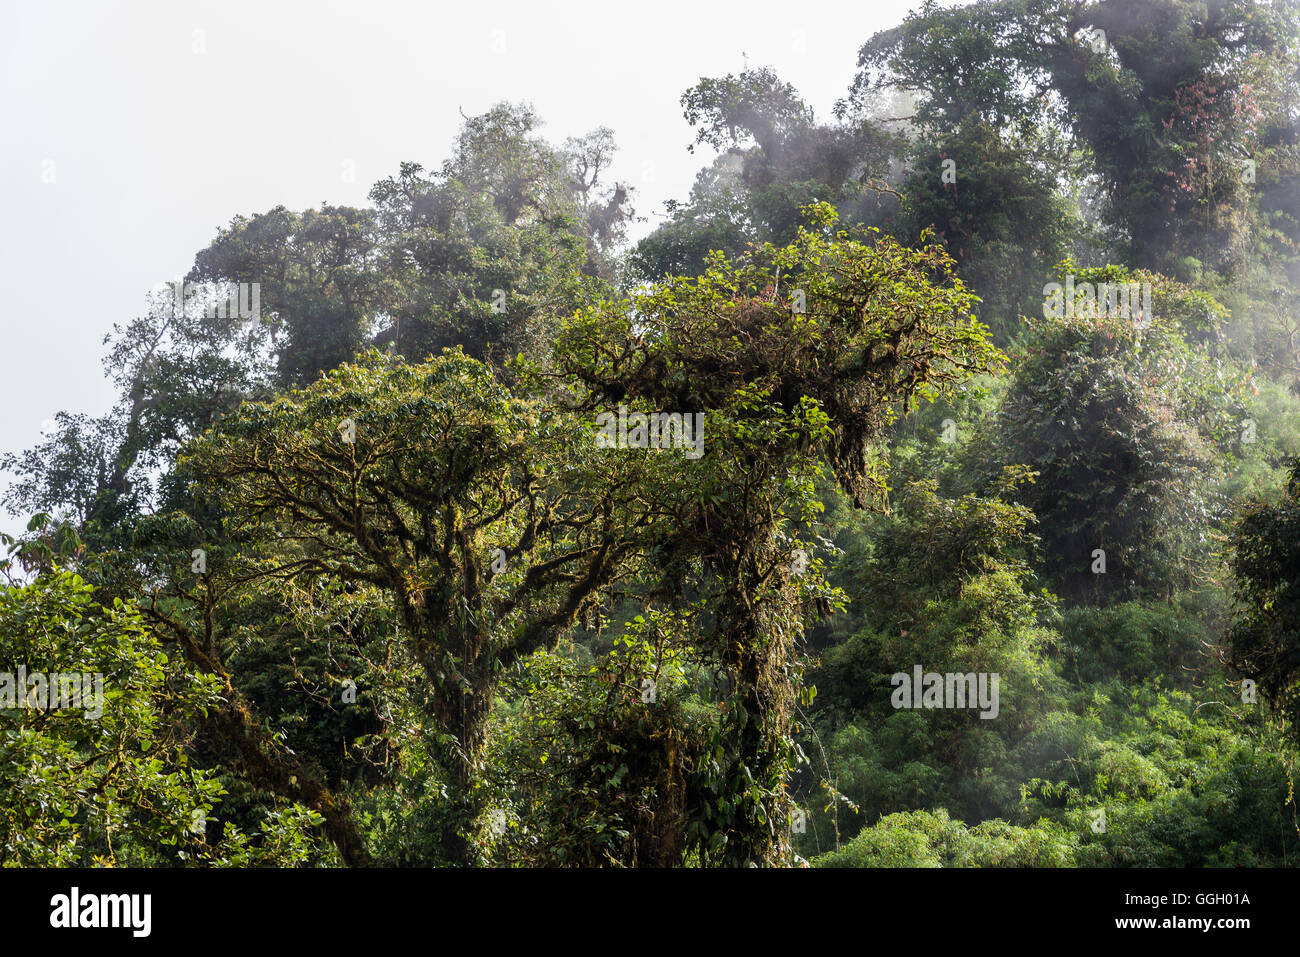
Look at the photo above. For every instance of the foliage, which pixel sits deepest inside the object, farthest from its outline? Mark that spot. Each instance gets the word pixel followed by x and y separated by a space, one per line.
pixel 1125 425
pixel 366 585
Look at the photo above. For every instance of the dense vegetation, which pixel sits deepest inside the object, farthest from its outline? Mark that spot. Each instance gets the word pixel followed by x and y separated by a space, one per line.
pixel 369 580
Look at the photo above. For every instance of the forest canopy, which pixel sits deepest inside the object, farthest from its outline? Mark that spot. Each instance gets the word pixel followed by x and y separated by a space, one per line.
pixel 923 490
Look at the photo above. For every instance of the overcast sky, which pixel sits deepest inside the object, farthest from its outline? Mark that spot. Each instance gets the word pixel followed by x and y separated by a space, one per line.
pixel 130 132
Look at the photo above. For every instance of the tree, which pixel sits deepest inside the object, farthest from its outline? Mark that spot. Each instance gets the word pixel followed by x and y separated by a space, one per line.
pixel 177 371
pixel 798 354
pixel 995 200
pixel 96 766
pixel 1120 419
pixel 777 159
pixel 1264 642
pixel 316 276
pixel 1170 99
pixel 482 517
pixel 509 234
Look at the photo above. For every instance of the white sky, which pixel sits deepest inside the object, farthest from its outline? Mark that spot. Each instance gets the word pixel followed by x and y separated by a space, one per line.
pixel 154 146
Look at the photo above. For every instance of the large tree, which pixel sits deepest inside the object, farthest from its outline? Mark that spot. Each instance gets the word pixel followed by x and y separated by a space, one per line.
pixel 1171 99
pixel 796 355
